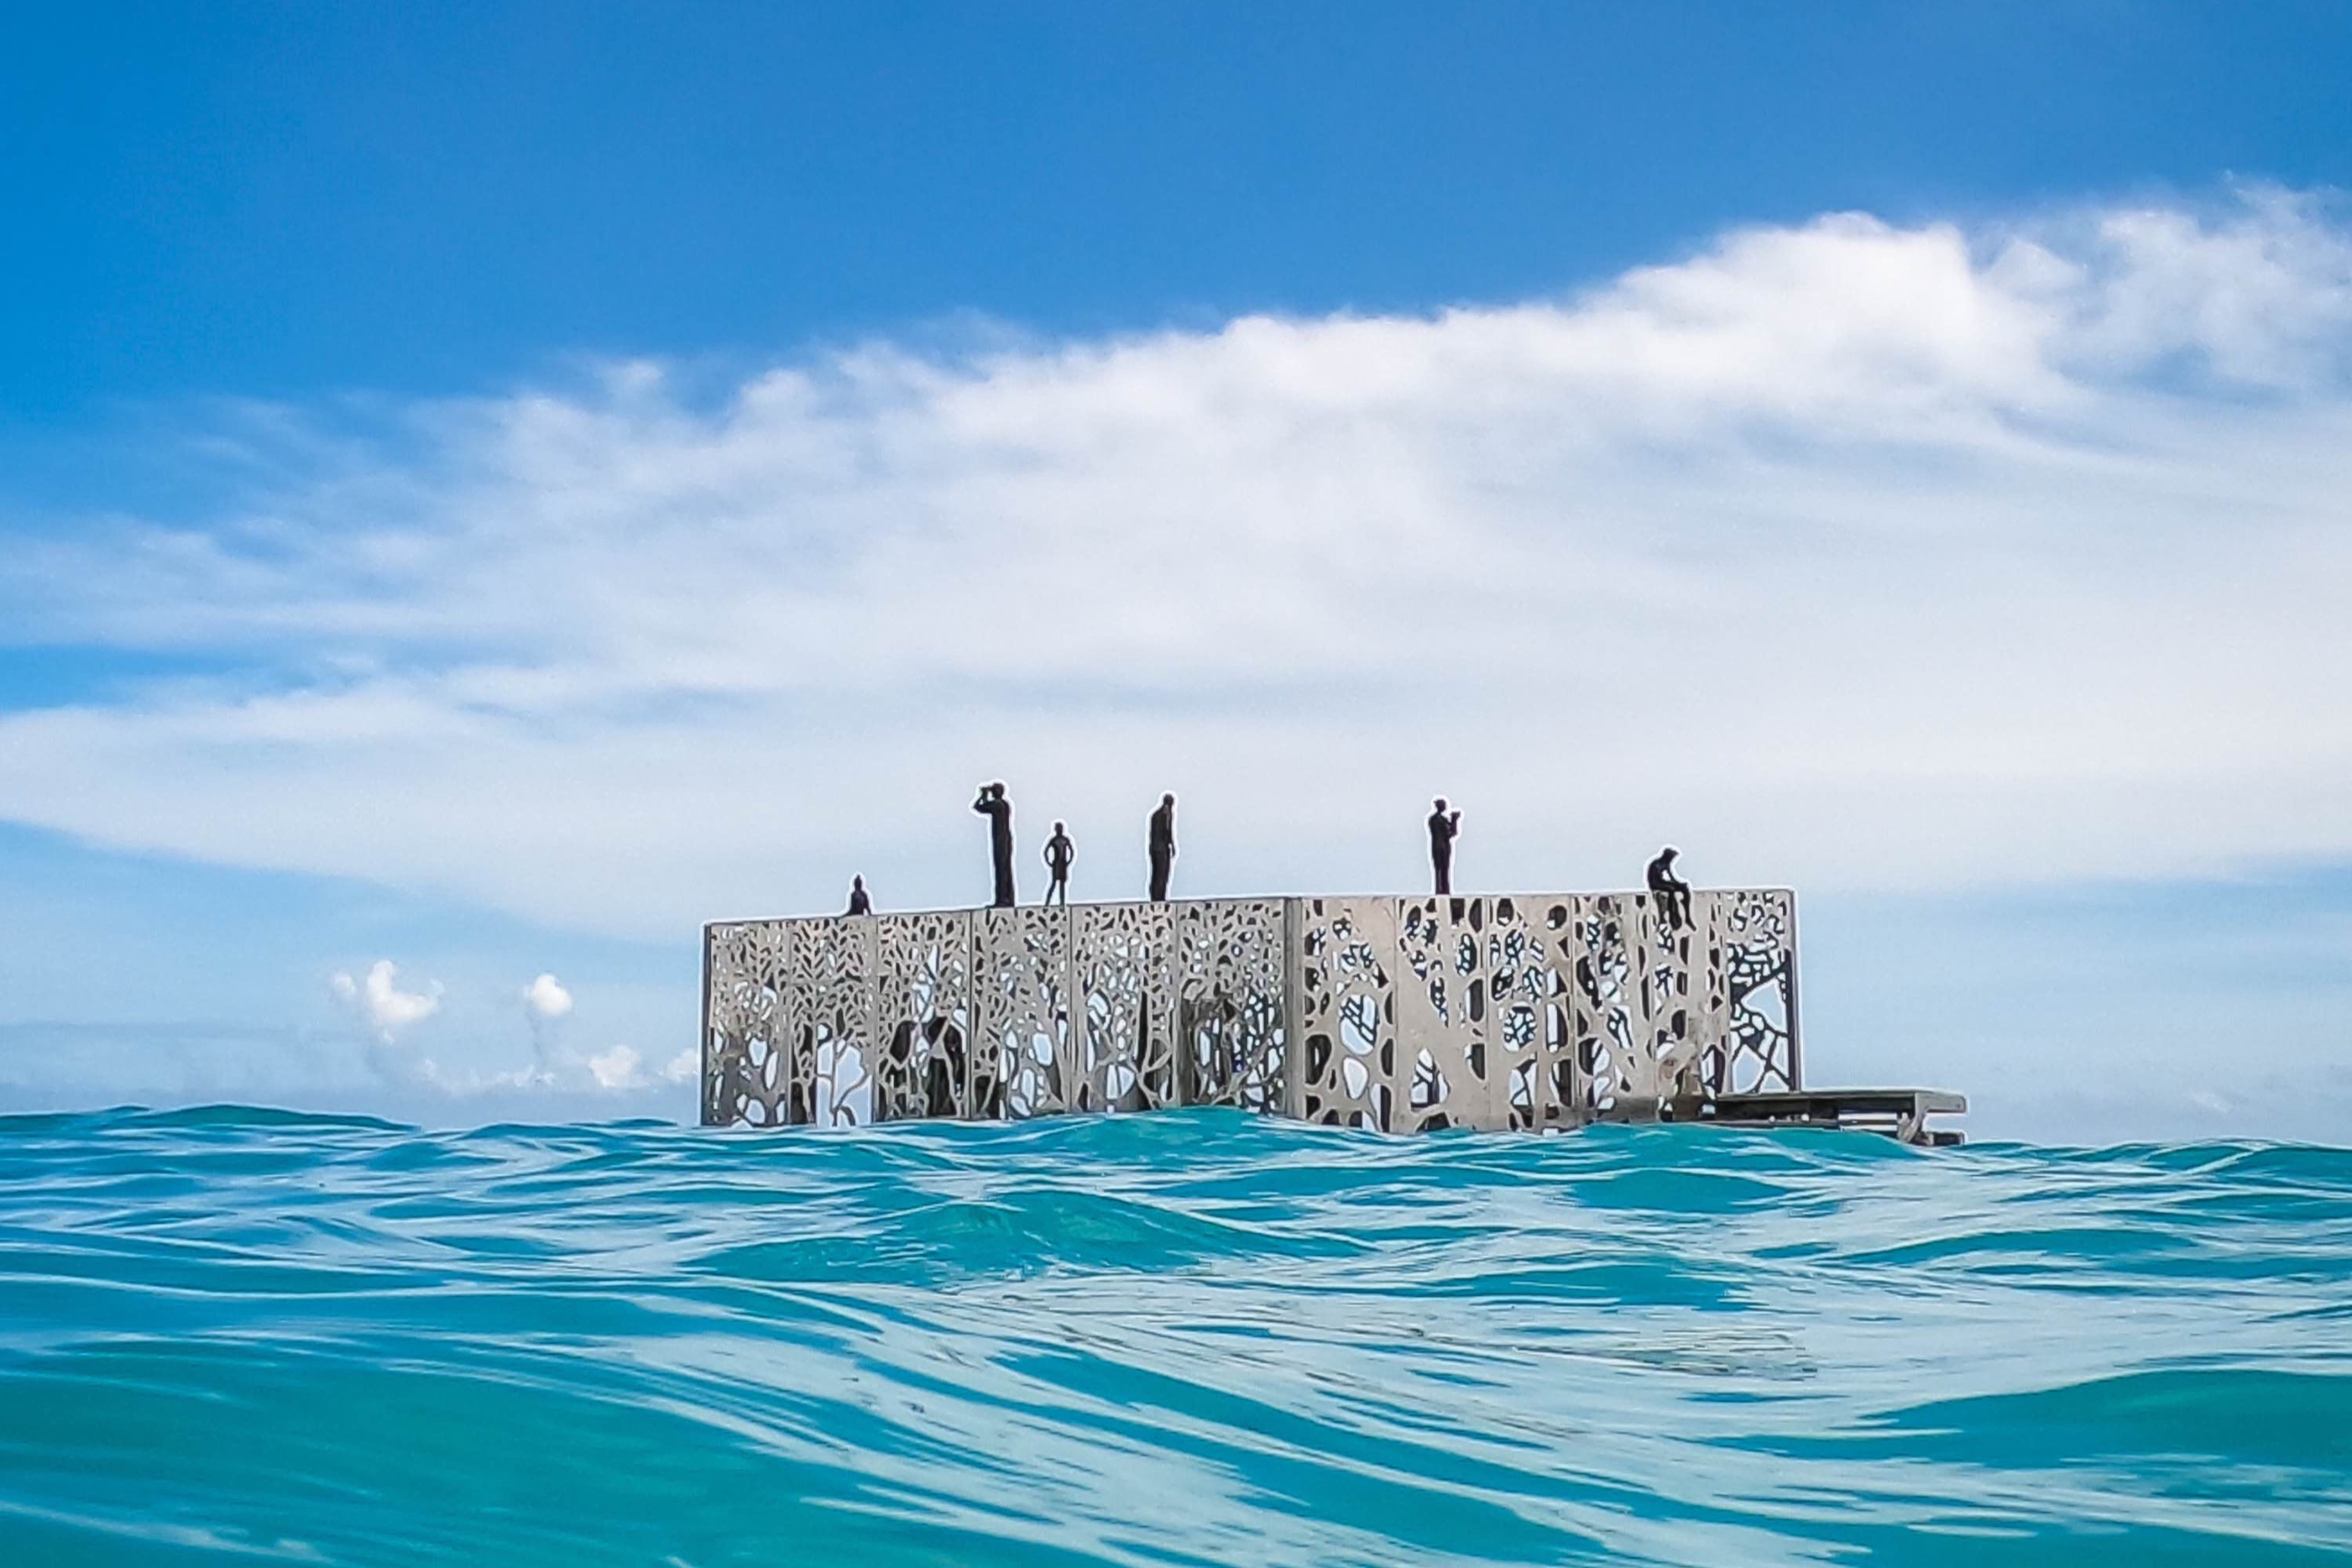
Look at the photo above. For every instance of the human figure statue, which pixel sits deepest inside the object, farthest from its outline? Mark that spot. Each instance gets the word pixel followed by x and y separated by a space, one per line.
pixel 1059 853
pixel 1443 826
pixel 1673 893
pixel 858 903
pixel 1163 847
pixel 992 805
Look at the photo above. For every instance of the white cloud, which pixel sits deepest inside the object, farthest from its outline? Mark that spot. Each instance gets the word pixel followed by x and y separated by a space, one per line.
pixel 380 999
pixel 1844 554
pixel 618 1068
pixel 622 1068
pixel 546 998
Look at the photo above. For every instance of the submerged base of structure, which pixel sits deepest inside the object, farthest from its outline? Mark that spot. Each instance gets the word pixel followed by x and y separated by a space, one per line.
pixel 1900 1114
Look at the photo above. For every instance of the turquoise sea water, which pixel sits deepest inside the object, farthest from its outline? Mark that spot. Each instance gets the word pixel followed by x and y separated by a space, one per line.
pixel 233 1336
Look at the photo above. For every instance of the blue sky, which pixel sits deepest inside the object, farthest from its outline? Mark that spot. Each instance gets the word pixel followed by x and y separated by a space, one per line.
pixel 484 489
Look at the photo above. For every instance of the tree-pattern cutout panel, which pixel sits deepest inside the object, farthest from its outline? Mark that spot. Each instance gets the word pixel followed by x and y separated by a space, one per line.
pixel 1124 959
pixel 830 998
pixel 1640 1021
pixel 1441 1016
pixel 1021 990
pixel 744 1076
pixel 1752 975
pixel 924 1014
pixel 1594 947
pixel 1564 1092
pixel 1527 1036
pixel 1231 1042
pixel 1673 1023
pixel 1347 1011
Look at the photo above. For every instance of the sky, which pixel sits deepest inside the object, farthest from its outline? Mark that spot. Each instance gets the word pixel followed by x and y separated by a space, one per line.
pixel 485 490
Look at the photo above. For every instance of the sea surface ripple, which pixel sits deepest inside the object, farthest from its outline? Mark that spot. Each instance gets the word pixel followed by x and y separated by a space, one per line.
pixel 1197 1337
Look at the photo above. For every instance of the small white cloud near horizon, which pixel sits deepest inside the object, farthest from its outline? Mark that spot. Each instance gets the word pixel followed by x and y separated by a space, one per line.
pixel 623 1068
pixel 546 998
pixel 380 999
pixel 616 1068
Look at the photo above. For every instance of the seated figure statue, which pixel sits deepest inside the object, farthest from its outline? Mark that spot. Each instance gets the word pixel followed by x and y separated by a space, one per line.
pixel 1673 893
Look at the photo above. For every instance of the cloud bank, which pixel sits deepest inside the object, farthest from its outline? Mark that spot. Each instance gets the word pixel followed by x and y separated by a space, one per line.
pixel 401 1057
pixel 1842 555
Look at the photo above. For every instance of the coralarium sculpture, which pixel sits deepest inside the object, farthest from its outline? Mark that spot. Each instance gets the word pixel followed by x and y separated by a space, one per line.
pixel 1527 1011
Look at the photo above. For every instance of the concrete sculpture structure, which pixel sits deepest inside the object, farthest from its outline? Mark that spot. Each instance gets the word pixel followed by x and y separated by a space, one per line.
pixel 1401 1014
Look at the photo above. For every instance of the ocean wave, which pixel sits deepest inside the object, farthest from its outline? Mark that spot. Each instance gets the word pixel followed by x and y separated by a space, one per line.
pixel 1192 1337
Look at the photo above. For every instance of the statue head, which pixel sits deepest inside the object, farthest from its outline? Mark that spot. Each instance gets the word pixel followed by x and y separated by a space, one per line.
pixel 1057 826
pixel 1166 799
pixel 1439 803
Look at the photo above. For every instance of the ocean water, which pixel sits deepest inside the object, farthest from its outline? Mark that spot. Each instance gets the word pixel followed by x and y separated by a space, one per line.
pixel 240 1335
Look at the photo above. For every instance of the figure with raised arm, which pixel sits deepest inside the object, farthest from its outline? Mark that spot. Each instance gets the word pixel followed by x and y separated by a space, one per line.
pixel 858 903
pixel 1163 847
pixel 992 805
pixel 1673 893
pixel 1443 826
pixel 1059 853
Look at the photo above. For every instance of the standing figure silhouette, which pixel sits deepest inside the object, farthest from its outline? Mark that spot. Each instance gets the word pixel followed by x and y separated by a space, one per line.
pixel 1673 893
pixel 858 903
pixel 1163 847
pixel 1443 827
pixel 992 805
pixel 1059 853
